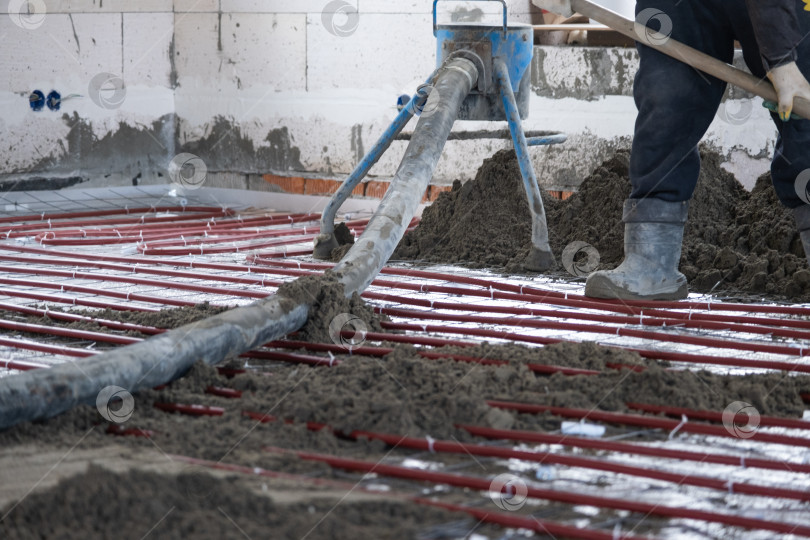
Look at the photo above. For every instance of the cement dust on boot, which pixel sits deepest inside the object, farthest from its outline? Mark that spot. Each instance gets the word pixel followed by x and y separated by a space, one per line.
pixel 653 234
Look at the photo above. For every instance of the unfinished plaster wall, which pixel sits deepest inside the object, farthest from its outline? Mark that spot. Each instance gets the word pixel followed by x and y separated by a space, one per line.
pixel 86 51
pixel 294 87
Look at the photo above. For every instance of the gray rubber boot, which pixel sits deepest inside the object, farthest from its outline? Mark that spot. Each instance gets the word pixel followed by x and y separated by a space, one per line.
pixel 653 233
pixel 802 216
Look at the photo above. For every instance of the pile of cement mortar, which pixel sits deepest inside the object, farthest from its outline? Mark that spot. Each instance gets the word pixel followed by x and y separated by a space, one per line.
pixel 406 394
pixel 135 504
pixel 735 242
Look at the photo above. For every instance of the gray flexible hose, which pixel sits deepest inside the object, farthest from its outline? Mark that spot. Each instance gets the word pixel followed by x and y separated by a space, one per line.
pixel 45 393
pixel 368 255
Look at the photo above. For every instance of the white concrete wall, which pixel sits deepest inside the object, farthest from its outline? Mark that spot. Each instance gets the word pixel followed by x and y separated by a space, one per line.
pixel 84 48
pixel 284 86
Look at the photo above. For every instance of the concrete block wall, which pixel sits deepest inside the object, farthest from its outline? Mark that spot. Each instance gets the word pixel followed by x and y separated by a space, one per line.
pixel 289 87
pixel 110 61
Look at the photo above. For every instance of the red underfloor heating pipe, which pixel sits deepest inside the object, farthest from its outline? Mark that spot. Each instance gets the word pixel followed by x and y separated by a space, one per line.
pixel 533 292
pixel 648 422
pixel 509 520
pixel 455 447
pixel 480 332
pixel 652 315
pixel 481 484
pixel 634 449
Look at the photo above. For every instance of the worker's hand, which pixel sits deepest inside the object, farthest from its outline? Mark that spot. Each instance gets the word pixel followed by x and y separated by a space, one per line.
pixel 789 83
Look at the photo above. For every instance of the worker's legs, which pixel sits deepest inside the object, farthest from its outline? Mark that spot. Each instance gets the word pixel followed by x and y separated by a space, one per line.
pixel 676 104
pixel 790 167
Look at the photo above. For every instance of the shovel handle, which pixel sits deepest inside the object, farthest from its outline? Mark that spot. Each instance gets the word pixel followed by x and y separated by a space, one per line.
pixel 688 55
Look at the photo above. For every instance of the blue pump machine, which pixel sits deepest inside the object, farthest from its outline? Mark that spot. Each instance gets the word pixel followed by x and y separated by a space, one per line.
pixel 502 56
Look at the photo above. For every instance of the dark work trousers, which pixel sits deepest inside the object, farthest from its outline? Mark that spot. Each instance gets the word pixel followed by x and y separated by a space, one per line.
pixel 676 103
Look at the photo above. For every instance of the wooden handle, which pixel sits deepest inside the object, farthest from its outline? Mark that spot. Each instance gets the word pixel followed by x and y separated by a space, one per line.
pixel 688 55
pixel 572 27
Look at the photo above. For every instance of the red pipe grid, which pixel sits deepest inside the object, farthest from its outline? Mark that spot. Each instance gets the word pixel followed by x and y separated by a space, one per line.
pixel 456 447
pixel 647 421
pixel 481 484
pixel 509 520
